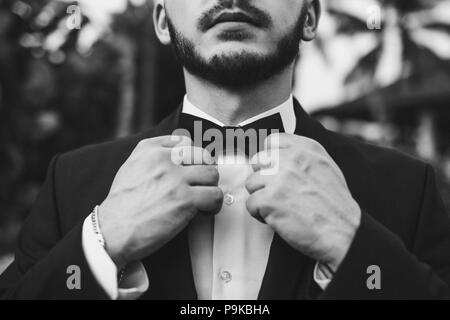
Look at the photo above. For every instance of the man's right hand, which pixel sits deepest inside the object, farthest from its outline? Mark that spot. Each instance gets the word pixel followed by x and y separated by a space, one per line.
pixel 154 196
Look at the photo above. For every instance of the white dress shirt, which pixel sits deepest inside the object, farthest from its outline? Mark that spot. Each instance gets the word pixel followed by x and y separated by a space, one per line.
pixel 229 252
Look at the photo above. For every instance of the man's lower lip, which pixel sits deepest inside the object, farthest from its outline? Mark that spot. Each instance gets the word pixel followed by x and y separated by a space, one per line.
pixel 233 23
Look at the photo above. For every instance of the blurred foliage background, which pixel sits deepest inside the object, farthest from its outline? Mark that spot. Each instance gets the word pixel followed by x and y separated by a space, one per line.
pixel 81 72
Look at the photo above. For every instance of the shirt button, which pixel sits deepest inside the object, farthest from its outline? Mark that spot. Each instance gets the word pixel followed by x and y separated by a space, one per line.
pixel 225 276
pixel 228 199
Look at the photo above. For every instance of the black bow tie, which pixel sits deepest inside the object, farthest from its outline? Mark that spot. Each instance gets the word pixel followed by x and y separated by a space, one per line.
pixel 248 139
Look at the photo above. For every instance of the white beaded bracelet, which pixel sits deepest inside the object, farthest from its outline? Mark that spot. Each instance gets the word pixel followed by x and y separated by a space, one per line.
pixel 100 238
pixel 96 227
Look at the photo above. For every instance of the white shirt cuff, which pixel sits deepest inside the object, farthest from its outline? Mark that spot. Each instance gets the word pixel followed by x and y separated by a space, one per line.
pixel 320 278
pixel 134 281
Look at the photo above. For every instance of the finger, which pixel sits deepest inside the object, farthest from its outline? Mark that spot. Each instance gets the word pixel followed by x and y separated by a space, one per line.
pixel 308 147
pixel 167 141
pixel 255 182
pixel 204 175
pixel 264 160
pixel 207 199
pixel 177 141
pixel 189 155
pixel 283 141
pixel 254 203
pixel 279 141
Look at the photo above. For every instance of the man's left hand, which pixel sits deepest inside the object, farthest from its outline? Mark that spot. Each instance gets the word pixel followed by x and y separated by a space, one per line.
pixel 300 192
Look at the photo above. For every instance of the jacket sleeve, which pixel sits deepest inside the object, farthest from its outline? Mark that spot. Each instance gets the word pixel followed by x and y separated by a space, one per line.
pixel 49 264
pixel 420 272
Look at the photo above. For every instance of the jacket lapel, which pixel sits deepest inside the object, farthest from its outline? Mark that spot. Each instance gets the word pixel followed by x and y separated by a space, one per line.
pixel 170 269
pixel 289 274
pixel 287 269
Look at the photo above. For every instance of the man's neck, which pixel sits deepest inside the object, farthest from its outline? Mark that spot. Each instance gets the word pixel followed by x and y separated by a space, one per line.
pixel 233 106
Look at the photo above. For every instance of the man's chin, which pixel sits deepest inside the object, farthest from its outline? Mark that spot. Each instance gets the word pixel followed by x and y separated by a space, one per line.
pixel 232 50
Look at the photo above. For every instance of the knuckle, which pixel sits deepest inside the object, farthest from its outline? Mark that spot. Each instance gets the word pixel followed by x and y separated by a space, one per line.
pixel 288 174
pixel 186 204
pixel 305 165
pixel 143 143
pixel 250 205
pixel 299 153
pixel 293 156
pixel 218 195
pixel 249 183
pixel 158 155
pixel 284 137
pixel 207 157
pixel 213 174
pixel 270 220
pixel 183 139
pixel 139 148
pixel 315 146
pixel 306 143
pixel 322 161
pixel 159 172
pixel 182 192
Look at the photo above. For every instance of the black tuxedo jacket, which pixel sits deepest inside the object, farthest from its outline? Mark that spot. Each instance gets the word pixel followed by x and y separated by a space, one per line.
pixel 405 230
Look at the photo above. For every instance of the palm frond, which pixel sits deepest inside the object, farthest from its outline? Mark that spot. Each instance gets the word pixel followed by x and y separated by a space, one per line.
pixel 438 26
pixel 420 59
pixel 366 66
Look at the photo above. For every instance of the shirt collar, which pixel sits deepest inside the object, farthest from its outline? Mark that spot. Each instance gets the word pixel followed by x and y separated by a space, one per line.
pixel 286 111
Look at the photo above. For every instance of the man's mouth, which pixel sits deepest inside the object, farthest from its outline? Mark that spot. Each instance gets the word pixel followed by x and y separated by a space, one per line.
pixel 233 17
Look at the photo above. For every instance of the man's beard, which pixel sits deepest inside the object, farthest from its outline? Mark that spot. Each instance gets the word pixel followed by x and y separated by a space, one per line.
pixel 238 70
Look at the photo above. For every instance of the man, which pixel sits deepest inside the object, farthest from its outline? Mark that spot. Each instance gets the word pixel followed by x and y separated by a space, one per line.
pixel 334 219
